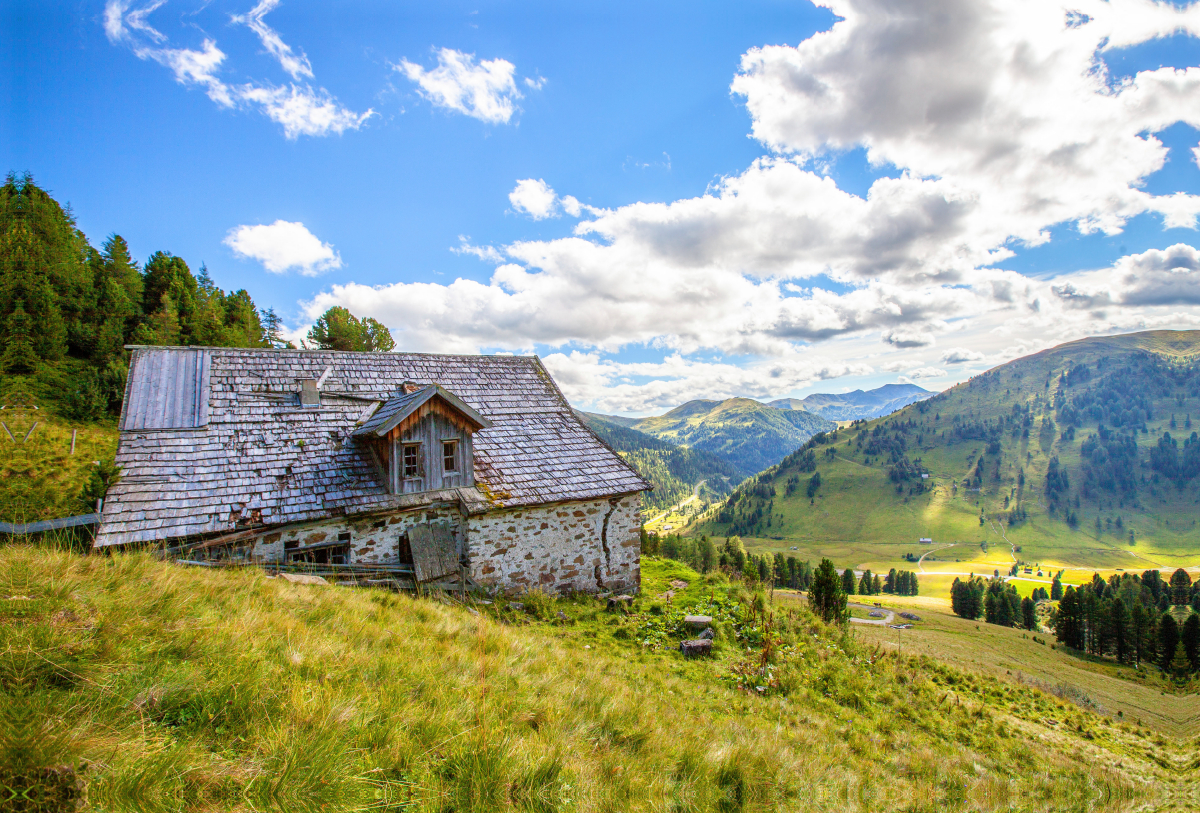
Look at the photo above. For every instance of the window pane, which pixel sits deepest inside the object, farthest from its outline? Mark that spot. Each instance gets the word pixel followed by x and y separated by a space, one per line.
pixel 411 462
pixel 450 456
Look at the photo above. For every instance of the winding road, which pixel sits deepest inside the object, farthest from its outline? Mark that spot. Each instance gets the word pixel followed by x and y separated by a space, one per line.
pixel 875 622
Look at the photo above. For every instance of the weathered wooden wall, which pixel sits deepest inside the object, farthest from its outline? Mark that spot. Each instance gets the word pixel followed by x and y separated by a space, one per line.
pixel 430 431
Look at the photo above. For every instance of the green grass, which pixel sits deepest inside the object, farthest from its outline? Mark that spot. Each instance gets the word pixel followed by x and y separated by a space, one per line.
pixel 194 689
pixel 39 477
pixel 1141 697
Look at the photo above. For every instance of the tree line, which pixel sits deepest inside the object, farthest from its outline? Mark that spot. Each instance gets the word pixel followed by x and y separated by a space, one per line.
pixel 68 309
pixel 1133 619
pixel 706 555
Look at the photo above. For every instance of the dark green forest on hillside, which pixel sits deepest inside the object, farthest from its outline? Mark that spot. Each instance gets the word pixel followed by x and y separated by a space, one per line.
pixel 674 471
pixel 749 434
pixel 67 308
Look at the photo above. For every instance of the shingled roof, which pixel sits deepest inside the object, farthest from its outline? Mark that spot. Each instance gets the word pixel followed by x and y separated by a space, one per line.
pixel 249 455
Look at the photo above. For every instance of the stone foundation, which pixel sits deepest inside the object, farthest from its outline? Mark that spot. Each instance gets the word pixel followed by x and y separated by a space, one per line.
pixel 373 540
pixel 587 545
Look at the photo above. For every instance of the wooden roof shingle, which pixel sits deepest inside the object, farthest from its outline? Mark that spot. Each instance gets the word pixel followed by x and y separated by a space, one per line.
pixel 260 459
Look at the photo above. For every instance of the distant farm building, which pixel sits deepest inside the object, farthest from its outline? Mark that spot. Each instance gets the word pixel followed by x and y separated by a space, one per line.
pixel 925 540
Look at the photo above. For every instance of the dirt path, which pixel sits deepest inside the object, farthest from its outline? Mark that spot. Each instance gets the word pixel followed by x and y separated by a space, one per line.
pixel 875 622
pixel 920 566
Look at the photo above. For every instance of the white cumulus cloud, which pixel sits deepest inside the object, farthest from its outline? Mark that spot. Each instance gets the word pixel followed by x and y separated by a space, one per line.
pixel 534 198
pixel 484 90
pixel 1001 122
pixel 282 247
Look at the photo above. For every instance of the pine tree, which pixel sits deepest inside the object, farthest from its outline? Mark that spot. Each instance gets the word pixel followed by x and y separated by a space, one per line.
pixel 339 329
pixel 848 581
pixel 271 326
pixel 1179 666
pixel 826 597
pixel 19 357
pixel 1028 614
pixel 1168 640
pixel 1190 638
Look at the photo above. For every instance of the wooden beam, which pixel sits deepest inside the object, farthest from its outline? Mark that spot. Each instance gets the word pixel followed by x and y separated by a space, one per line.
pixel 73 431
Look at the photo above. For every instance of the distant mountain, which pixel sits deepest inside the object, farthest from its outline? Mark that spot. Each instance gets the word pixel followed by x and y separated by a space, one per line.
pixel 673 470
pixel 850 406
pixel 1084 451
pixel 750 435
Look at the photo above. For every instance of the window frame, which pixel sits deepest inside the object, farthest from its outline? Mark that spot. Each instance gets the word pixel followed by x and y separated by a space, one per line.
pixel 415 473
pixel 453 443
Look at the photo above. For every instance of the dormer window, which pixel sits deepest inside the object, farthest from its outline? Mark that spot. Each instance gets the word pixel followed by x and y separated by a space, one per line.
pixel 419 418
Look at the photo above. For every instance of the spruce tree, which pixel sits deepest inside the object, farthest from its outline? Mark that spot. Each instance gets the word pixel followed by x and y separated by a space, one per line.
pixel 826 597
pixel 1028 614
pixel 1168 640
pixel 1190 638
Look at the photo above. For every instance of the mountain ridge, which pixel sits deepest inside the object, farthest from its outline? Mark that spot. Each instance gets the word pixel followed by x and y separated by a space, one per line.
pixel 1084 451
pixel 859 404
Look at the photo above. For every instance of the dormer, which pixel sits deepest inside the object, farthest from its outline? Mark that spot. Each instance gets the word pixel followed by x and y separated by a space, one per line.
pixel 423 438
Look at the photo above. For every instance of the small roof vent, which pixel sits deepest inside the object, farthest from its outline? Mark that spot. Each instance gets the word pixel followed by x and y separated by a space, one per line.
pixel 310 389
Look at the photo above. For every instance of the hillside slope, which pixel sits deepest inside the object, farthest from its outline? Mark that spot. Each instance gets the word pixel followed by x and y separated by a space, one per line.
pixel 674 471
pixel 750 435
pixel 1057 456
pixel 859 404
pixel 158 687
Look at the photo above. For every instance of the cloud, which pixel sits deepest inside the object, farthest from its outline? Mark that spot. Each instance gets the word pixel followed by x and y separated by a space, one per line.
pixel 486 253
pixel 484 91
pixel 960 355
pixel 296 64
pixel 534 198
pixel 1154 278
pixel 1003 101
pixel 299 109
pixel 304 111
pixel 908 337
pixel 1168 277
pixel 618 387
pixel 1001 121
pixel 282 247
pixel 926 372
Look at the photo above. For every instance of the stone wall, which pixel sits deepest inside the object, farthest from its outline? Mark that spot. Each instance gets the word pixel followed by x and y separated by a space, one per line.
pixel 586 545
pixel 373 540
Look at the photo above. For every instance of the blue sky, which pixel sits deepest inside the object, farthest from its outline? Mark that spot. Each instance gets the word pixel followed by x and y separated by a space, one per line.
pixel 665 201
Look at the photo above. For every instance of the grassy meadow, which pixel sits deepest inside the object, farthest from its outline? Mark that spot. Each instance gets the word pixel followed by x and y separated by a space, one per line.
pixel 147 686
pixel 40 477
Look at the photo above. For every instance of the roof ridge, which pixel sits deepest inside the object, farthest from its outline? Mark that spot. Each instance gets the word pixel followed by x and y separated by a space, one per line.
pixel 352 353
